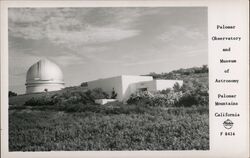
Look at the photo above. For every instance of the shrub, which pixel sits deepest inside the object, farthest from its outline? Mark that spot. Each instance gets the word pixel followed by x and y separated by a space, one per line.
pixel 41 101
pixel 187 100
pixel 84 97
pixel 166 91
pixel 113 94
pixel 194 93
pixel 97 93
pixel 140 97
pixel 12 94
pixel 155 99
pixel 69 98
pixel 177 87
pixel 191 93
pixel 84 84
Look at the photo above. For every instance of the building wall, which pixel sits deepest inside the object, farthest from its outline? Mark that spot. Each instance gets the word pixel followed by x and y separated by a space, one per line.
pixel 35 88
pixel 129 84
pixel 107 85
pixel 157 85
pixel 124 86
pixel 164 84
pixel 149 85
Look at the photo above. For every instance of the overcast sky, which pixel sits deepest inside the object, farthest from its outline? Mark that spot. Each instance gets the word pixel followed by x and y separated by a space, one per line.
pixel 92 43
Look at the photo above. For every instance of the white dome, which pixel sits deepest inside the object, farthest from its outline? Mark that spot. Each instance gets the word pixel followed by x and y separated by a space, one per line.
pixel 44 75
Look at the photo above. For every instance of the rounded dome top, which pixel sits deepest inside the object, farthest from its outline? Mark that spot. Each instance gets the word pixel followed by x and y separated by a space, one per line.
pixel 44 71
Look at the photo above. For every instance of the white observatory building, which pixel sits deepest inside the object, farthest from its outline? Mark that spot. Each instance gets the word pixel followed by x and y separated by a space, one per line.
pixel 125 85
pixel 44 76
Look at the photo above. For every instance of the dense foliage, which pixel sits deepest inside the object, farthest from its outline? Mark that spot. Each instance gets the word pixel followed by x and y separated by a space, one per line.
pixel 39 101
pixel 68 97
pixel 126 128
pixel 155 99
pixel 190 94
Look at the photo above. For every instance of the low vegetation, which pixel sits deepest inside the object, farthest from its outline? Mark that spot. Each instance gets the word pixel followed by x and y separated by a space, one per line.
pixel 68 97
pixel 172 119
pixel 118 128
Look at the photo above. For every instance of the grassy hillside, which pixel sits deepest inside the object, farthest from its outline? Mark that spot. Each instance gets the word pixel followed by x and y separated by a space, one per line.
pixel 119 128
pixel 198 74
pixel 69 119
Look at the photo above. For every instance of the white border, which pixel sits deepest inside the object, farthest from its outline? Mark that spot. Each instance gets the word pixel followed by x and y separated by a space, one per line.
pixel 217 11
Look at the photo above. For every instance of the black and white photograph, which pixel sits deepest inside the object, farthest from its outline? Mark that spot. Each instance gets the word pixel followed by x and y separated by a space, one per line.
pixel 108 79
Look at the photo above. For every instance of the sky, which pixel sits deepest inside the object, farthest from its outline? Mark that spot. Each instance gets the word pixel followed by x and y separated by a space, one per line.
pixel 93 43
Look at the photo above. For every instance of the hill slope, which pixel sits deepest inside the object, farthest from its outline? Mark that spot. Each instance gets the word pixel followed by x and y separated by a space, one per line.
pixel 198 74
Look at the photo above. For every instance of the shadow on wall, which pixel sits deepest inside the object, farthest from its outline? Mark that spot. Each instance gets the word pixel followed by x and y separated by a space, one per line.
pixel 130 90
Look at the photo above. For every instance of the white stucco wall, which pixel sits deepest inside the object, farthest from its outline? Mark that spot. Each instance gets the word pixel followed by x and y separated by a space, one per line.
pixel 164 84
pixel 157 85
pixel 150 85
pixel 126 85
pixel 129 84
pixel 123 85
pixel 107 85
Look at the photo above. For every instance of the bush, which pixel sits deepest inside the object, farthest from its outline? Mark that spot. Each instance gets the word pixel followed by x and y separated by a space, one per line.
pixel 12 94
pixel 97 93
pixel 155 99
pixel 41 101
pixel 192 93
pixel 84 97
pixel 187 100
pixel 69 98
pixel 177 87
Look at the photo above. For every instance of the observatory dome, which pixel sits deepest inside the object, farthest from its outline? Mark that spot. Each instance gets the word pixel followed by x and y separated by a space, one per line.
pixel 44 76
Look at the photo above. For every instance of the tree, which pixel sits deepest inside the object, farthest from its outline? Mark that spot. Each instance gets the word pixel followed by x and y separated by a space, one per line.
pixel 177 87
pixel 84 84
pixel 204 68
pixel 113 94
pixel 12 94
